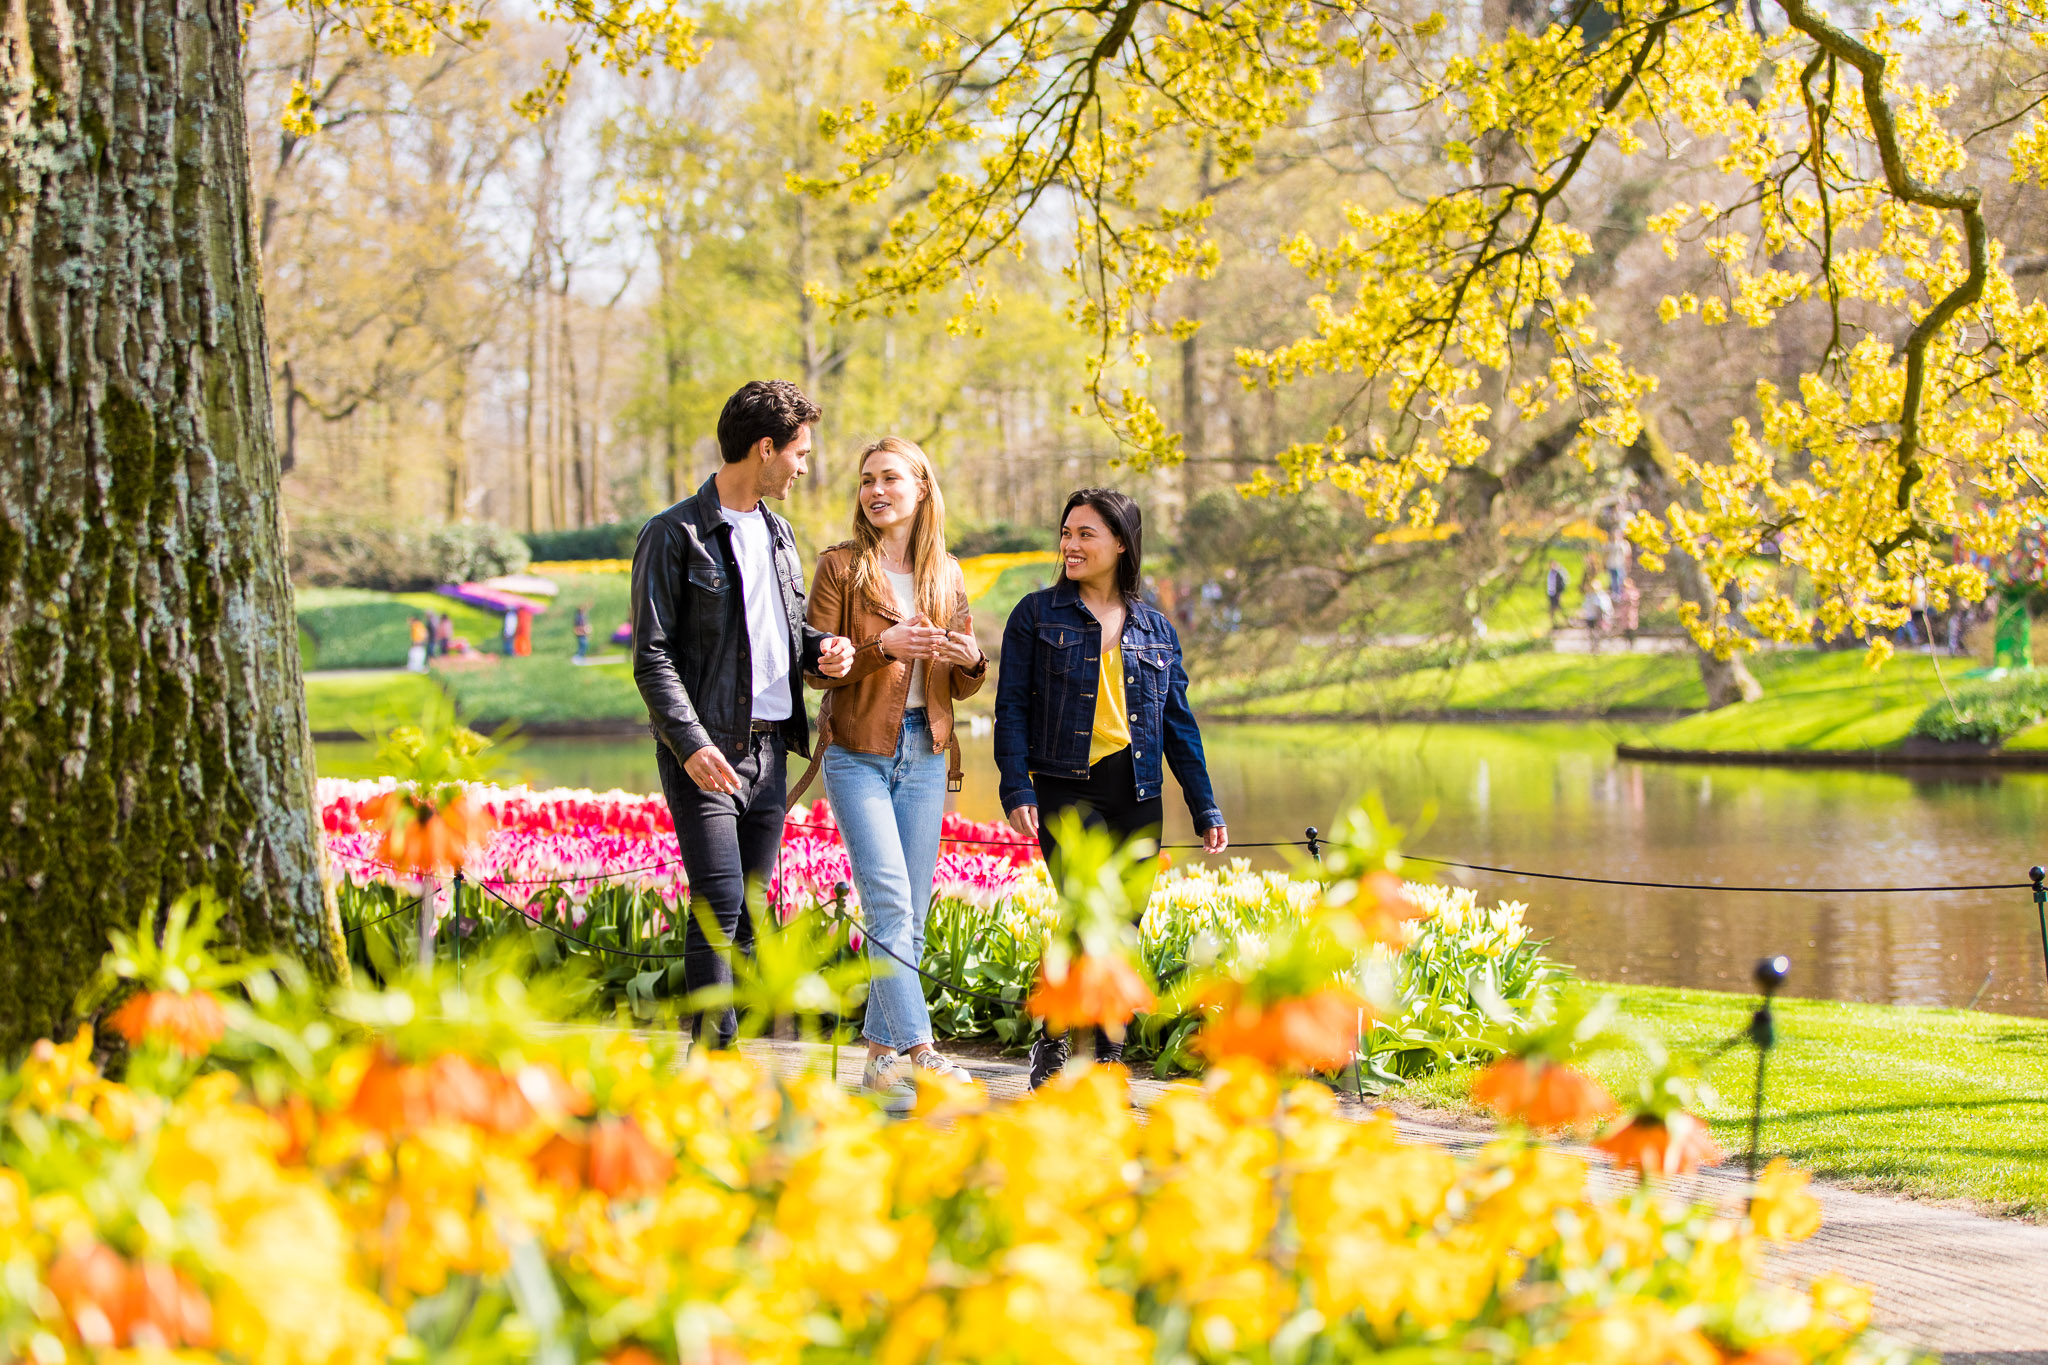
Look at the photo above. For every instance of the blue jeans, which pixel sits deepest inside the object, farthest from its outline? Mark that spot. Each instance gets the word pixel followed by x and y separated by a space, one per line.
pixel 889 811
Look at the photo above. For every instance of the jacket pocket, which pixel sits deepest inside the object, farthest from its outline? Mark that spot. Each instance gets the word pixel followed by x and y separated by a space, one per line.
pixel 1148 664
pixel 1060 648
pixel 708 578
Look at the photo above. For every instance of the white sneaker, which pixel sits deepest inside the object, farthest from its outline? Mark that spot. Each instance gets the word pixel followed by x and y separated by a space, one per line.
pixel 886 1077
pixel 944 1067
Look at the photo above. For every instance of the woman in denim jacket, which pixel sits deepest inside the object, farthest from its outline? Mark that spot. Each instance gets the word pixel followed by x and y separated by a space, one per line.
pixel 1083 724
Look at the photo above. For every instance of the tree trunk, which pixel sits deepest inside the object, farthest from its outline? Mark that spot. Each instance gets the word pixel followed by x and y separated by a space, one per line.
pixel 153 730
pixel 1728 680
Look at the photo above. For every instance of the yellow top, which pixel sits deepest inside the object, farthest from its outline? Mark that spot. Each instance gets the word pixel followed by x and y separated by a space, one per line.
pixel 1112 722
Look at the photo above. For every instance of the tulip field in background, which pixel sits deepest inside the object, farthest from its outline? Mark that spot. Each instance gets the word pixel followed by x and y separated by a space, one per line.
pixel 602 867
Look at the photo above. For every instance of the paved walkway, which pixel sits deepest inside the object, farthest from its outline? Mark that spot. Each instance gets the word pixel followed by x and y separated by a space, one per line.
pixel 1973 1288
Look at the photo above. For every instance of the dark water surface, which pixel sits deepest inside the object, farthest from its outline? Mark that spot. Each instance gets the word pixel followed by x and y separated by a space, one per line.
pixel 1554 798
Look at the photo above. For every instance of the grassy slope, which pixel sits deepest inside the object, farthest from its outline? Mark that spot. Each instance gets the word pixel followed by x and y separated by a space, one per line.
pixel 1823 692
pixel 2033 737
pixel 1835 704
pixel 1945 1104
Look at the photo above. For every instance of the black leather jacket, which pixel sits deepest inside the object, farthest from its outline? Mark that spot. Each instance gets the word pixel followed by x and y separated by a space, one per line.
pixel 690 651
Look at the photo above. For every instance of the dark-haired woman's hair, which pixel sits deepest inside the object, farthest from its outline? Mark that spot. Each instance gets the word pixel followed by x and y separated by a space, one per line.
pixel 1125 522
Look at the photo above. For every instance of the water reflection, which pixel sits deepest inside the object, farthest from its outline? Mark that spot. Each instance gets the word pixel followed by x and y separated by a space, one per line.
pixel 1554 798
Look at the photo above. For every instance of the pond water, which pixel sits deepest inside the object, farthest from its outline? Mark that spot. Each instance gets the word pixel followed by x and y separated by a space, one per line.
pixel 1553 798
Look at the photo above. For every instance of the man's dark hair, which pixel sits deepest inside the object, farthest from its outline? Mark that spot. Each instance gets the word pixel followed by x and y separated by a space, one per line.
pixel 1125 522
pixel 774 408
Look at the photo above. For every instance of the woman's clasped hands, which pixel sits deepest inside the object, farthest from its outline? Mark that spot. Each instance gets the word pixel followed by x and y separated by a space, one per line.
pixel 918 638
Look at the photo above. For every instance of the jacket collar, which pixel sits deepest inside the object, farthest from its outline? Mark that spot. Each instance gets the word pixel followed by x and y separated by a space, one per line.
pixel 709 507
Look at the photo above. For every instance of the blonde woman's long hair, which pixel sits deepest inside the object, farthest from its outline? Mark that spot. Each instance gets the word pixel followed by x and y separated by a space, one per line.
pixel 930 583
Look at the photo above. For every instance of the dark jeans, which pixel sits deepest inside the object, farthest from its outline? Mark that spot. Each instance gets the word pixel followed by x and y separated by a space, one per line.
pixel 1107 800
pixel 728 841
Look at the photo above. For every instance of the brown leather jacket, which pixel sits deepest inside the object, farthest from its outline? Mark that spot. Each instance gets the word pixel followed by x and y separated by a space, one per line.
pixel 863 711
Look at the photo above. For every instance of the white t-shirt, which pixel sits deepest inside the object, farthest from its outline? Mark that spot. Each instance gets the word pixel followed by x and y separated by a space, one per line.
pixel 767 625
pixel 906 602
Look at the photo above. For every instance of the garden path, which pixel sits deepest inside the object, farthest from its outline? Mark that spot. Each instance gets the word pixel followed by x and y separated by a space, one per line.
pixel 1946 1280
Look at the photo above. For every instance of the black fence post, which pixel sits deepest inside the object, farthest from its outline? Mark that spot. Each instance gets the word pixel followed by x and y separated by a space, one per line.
pixel 2041 909
pixel 1770 975
pixel 455 899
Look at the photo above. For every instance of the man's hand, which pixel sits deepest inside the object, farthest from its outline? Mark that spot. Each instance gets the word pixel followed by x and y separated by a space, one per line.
pixel 709 770
pixel 1216 840
pixel 1024 820
pixel 835 656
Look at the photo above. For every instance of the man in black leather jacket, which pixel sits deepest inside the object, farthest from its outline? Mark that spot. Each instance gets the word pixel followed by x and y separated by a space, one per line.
pixel 720 647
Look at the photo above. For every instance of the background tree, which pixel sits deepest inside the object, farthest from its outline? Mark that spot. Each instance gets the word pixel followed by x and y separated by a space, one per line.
pixel 1813 177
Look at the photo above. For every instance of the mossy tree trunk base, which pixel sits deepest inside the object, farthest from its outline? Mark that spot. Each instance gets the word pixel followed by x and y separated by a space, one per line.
pixel 153 729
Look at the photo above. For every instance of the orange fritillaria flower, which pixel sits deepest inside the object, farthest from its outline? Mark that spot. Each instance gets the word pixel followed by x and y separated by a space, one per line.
pixel 633 1354
pixel 190 1021
pixel 1678 1145
pixel 421 838
pixel 1542 1094
pixel 1383 904
pixel 392 1096
pixel 112 1303
pixel 452 1088
pixel 90 1282
pixel 623 1161
pixel 1101 990
pixel 1774 1353
pixel 1318 1031
pixel 564 1159
pixel 167 1309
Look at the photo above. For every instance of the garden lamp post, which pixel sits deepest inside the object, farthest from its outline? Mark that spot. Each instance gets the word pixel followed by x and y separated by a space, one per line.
pixel 1770 975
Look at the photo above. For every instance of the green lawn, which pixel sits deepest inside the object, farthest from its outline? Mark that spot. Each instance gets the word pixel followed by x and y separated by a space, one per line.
pixel 1946 1104
pixel 547 688
pixel 1836 704
pixel 1823 692
pixel 2034 737
pixel 365 701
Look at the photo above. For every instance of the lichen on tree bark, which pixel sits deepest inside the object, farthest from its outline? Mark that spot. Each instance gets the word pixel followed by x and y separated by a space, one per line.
pixel 153 732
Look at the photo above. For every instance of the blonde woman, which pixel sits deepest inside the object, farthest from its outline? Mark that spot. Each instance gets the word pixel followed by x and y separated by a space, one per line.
pixel 888 749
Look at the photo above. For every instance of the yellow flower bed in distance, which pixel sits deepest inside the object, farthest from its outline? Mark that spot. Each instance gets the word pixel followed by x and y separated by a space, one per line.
pixel 549 567
pixel 433 1174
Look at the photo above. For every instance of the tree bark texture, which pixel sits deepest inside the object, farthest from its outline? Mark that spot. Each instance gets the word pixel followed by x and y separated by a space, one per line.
pixel 1727 681
pixel 153 732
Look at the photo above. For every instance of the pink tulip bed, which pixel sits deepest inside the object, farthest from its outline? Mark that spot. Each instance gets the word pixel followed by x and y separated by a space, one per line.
pixel 598 874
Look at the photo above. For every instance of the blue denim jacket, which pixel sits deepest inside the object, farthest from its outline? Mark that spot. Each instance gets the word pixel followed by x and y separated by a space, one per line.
pixel 1045 700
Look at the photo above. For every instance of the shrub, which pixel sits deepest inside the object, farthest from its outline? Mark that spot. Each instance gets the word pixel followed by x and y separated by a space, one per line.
pixel 400 556
pixel 613 540
pixel 999 538
pixel 1986 710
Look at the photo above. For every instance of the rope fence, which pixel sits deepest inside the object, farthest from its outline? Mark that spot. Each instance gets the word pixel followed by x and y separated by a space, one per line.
pixel 2038 885
pixel 1313 843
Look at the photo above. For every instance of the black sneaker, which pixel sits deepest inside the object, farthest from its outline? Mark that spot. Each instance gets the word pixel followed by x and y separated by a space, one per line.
pixel 1049 1054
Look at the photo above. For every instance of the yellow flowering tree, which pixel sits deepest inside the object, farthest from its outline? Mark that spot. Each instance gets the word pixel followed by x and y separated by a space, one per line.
pixel 1841 191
